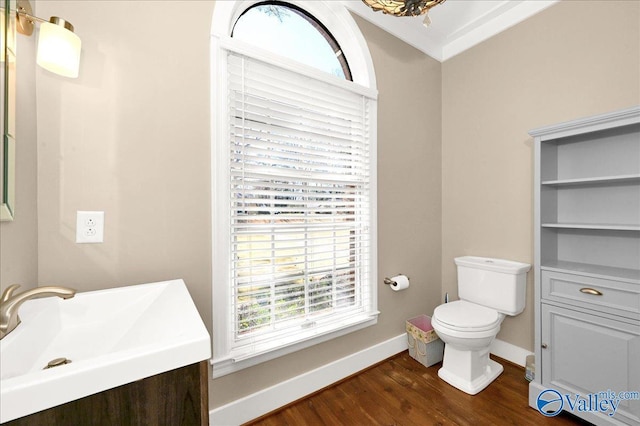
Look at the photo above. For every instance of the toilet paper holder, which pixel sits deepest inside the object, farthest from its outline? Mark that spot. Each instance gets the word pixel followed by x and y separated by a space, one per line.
pixel 389 281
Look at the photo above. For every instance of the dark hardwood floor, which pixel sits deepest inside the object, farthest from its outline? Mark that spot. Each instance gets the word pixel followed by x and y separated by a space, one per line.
pixel 401 391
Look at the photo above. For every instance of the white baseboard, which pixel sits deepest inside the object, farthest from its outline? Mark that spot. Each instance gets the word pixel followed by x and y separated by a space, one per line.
pixel 269 399
pixel 513 353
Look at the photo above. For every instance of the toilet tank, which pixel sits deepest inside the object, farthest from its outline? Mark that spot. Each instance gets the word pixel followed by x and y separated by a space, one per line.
pixel 495 283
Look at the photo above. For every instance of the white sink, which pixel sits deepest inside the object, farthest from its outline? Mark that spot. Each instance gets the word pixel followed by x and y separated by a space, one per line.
pixel 112 337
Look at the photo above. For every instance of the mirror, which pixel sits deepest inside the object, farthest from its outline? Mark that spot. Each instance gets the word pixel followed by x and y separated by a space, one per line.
pixel 8 111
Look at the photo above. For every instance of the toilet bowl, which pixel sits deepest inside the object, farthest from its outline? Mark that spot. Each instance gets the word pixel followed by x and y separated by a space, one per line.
pixel 489 289
pixel 466 364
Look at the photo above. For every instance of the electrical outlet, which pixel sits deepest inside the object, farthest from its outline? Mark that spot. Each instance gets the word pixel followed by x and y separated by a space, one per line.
pixel 89 227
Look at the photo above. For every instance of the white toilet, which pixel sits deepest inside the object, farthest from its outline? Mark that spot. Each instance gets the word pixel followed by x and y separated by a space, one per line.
pixel 488 289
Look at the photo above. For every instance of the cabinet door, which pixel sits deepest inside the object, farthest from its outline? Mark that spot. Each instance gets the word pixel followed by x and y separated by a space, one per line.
pixel 587 354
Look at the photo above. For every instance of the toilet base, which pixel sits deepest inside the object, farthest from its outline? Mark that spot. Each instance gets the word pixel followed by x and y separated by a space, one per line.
pixel 471 376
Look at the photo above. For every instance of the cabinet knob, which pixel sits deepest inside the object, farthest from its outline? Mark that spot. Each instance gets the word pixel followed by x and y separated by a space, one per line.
pixel 592 291
pixel 544 346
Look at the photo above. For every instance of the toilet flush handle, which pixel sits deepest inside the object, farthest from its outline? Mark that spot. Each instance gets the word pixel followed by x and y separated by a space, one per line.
pixel 544 346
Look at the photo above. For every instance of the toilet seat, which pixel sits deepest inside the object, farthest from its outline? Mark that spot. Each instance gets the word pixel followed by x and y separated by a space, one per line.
pixel 466 316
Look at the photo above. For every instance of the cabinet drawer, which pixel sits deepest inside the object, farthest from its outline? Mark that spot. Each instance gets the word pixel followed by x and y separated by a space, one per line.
pixel 614 297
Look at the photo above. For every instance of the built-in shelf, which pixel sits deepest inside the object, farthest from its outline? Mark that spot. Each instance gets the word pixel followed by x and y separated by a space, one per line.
pixel 591 270
pixel 587 258
pixel 601 226
pixel 593 180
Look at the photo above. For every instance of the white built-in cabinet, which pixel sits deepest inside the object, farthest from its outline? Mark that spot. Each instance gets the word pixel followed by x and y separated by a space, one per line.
pixel 587 260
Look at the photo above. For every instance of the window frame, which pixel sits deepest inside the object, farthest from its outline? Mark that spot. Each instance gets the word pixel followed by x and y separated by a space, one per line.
pixel 330 15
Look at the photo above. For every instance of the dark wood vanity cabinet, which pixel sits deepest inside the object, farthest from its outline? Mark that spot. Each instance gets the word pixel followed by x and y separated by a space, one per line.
pixel 176 397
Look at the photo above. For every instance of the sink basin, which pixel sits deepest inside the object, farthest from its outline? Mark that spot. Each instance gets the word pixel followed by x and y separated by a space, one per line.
pixel 112 337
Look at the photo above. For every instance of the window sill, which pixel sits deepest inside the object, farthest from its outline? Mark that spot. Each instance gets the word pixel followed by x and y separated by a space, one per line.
pixel 233 363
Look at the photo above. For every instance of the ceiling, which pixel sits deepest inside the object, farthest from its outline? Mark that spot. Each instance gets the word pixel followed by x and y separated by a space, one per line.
pixel 456 25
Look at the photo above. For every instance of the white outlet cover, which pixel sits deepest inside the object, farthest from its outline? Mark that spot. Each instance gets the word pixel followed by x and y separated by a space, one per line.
pixel 89 227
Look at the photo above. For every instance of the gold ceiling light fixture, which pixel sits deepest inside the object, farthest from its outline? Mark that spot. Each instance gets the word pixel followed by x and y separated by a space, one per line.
pixel 58 46
pixel 404 8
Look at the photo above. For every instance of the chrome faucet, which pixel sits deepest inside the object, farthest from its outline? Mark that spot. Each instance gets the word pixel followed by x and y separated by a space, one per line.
pixel 9 304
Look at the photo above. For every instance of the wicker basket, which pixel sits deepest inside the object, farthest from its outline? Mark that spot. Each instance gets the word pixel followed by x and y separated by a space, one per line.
pixel 424 344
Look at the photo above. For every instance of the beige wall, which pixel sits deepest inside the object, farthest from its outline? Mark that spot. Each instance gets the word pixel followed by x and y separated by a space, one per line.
pixel 131 137
pixel 575 59
pixel 19 238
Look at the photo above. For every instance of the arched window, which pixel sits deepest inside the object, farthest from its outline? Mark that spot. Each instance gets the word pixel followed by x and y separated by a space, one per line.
pixel 294 179
pixel 291 32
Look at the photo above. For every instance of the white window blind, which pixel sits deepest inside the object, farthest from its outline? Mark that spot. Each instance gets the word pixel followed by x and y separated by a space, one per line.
pixel 300 206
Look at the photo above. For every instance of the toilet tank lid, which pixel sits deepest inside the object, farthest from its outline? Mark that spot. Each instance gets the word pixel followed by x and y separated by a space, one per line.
pixel 490 264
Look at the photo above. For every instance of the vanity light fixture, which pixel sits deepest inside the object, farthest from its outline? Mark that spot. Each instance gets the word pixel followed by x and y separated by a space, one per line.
pixel 404 7
pixel 58 46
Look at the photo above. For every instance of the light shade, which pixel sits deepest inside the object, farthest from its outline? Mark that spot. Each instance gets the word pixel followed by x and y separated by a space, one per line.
pixel 59 48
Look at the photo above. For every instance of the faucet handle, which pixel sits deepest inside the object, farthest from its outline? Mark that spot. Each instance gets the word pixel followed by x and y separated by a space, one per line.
pixel 8 292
